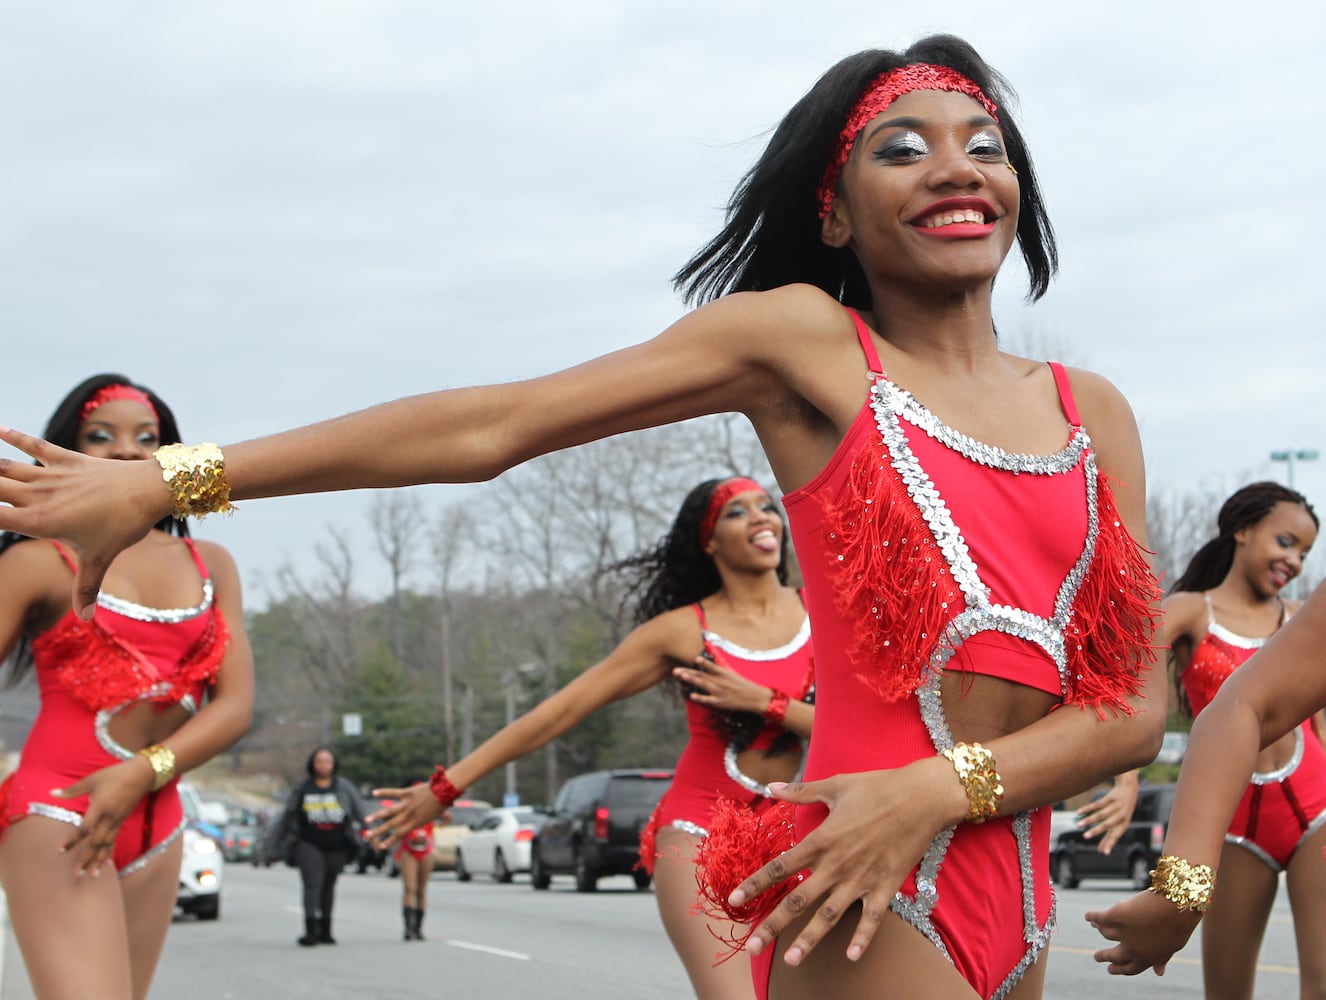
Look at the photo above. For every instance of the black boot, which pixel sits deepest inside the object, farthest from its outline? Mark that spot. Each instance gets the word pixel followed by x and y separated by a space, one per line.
pixel 407 912
pixel 310 937
pixel 418 923
pixel 324 931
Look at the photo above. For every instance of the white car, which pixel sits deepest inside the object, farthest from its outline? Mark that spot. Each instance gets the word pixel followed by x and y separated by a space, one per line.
pixel 202 864
pixel 499 844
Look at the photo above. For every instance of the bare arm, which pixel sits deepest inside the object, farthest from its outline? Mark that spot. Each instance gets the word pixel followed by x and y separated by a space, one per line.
pixel 744 353
pixel 718 686
pixel 1263 700
pixel 643 659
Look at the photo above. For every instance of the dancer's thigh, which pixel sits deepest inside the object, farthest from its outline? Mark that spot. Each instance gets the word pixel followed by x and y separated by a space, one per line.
pixel 149 905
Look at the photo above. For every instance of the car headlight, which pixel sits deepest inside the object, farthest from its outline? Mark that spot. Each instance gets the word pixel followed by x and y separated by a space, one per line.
pixel 204 845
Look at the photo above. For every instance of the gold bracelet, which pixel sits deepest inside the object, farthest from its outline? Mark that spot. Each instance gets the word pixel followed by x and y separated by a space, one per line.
pixel 1187 886
pixel 196 477
pixel 976 770
pixel 162 760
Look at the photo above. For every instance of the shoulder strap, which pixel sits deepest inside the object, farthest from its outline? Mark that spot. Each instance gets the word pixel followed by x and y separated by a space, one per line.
pixel 197 558
pixel 1065 393
pixel 867 342
pixel 698 608
pixel 64 554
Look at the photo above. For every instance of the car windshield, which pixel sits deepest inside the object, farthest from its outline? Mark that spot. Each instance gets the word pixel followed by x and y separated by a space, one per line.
pixel 465 815
pixel 523 816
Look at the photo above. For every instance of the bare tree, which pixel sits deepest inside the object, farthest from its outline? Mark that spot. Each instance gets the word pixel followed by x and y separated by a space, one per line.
pixel 452 536
pixel 395 516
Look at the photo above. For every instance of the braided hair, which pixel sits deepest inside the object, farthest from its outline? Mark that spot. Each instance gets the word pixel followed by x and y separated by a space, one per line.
pixel 1212 562
pixel 678 572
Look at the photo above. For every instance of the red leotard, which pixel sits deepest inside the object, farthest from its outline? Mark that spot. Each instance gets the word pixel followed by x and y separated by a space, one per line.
pixel 418 843
pixel 87 672
pixel 707 771
pixel 1282 808
pixel 924 550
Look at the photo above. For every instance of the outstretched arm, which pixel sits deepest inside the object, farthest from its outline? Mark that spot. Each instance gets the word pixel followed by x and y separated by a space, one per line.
pixel 642 660
pixel 737 354
pixel 1276 690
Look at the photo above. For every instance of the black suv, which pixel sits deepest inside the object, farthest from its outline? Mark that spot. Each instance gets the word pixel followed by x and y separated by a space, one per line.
pixel 593 827
pixel 1074 858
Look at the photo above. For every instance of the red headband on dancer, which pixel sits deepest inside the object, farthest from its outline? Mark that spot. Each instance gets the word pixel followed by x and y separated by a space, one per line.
pixel 112 392
pixel 724 492
pixel 886 89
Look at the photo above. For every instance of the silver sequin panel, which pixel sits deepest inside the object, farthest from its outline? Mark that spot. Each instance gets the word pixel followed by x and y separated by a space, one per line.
pixel 759 655
pixel 737 775
pixel 686 826
pixel 102 721
pixel 76 819
pixel 890 405
pixel 142 613
pixel 1281 773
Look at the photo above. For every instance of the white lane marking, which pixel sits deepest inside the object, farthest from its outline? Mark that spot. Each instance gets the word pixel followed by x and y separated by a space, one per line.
pixel 486 949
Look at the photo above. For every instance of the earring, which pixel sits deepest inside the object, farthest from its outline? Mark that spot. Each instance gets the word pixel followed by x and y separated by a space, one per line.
pixel 1012 168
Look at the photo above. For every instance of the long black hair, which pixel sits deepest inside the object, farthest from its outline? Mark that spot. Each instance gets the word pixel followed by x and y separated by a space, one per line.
pixel 678 572
pixel 1212 562
pixel 772 234
pixel 62 429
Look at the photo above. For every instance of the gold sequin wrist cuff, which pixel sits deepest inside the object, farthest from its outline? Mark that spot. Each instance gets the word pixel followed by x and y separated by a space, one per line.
pixel 1187 886
pixel 196 477
pixel 162 760
pixel 975 766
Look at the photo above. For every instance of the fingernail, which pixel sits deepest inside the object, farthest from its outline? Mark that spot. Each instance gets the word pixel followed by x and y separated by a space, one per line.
pixel 58 792
pixel 853 953
pixel 737 898
pixel 776 786
pixel 793 955
pixel 755 945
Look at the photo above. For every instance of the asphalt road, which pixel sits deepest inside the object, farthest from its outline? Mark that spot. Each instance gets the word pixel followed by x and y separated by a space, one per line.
pixel 489 940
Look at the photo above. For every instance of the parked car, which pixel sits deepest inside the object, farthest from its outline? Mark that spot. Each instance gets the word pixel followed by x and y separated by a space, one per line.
pixel 593 828
pixel 499 845
pixel 1074 858
pixel 460 819
pixel 202 864
pixel 1172 747
pixel 241 835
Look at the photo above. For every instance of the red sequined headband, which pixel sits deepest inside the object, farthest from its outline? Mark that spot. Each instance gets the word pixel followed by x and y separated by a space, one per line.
pixel 886 89
pixel 108 393
pixel 724 492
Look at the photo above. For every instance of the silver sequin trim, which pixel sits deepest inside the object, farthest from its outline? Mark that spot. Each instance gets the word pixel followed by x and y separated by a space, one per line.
pixel 781 652
pixel 55 812
pixel 1313 827
pixel 168 616
pixel 101 723
pixel 1256 850
pixel 981 614
pixel 1281 773
pixel 686 826
pixel 144 859
pixel 1233 638
pixel 736 774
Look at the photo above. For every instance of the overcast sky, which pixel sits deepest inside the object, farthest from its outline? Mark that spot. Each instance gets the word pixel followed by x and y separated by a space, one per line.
pixel 273 212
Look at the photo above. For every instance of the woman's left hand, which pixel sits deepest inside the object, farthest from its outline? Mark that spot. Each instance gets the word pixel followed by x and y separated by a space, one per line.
pixel 1149 929
pixel 1108 817
pixel 112 793
pixel 878 828
pixel 717 686
pixel 414 807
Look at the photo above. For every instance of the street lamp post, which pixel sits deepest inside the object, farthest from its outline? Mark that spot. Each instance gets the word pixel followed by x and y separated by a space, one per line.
pixel 1289 457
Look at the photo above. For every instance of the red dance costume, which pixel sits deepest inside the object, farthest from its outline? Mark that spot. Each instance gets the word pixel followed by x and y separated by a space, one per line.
pixel 88 672
pixel 707 770
pixel 924 550
pixel 418 843
pixel 1282 808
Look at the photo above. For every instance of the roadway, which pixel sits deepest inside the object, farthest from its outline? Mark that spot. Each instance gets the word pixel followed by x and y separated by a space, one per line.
pixel 488 940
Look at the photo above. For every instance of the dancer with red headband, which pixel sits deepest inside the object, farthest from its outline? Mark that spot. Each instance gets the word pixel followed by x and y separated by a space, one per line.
pixel 158 682
pixel 970 523
pixel 715 614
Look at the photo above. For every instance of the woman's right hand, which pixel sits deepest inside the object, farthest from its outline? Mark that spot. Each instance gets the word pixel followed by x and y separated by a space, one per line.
pixel 113 792
pixel 98 506
pixel 415 806
pixel 878 828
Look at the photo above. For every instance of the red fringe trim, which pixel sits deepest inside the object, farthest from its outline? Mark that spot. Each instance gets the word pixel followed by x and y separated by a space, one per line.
pixel 876 540
pixel 891 576
pixel 649 842
pixel 1115 614
pixel 101 670
pixel 741 840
